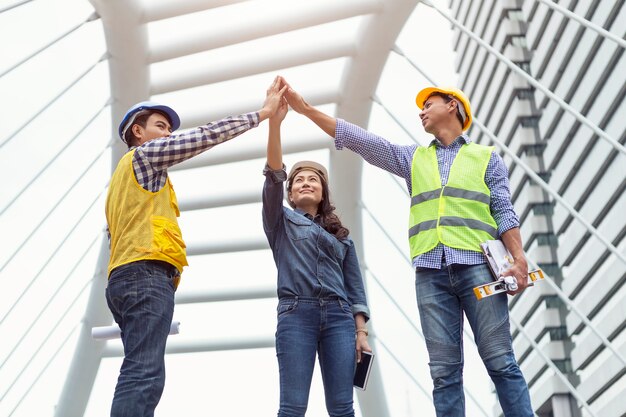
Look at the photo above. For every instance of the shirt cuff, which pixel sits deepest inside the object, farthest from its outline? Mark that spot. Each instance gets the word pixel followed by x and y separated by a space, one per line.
pixel 340 133
pixel 361 308
pixel 506 226
pixel 255 119
pixel 276 176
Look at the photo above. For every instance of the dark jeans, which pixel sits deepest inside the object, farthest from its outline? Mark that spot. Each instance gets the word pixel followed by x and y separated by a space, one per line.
pixel 307 326
pixel 443 295
pixel 141 297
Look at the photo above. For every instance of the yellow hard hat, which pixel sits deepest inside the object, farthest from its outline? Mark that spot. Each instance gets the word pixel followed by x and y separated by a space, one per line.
pixel 457 94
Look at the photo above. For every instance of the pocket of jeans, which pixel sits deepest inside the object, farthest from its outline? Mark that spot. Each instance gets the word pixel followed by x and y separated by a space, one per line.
pixel 122 273
pixel 122 284
pixel 286 307
pixel 346 308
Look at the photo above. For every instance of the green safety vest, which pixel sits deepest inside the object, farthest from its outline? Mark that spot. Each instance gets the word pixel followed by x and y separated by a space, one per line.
pixel 458 214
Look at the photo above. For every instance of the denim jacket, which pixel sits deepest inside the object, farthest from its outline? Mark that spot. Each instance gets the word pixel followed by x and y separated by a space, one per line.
pixel 310 261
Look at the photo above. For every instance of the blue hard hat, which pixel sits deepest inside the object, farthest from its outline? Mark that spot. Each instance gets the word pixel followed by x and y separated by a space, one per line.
pixel 148 105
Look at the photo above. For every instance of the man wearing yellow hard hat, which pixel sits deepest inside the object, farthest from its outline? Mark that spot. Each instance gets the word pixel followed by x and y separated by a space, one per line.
pixel 459 198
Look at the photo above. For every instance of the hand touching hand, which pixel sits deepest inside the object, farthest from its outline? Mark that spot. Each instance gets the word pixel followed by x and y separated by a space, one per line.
pixel 295 100
pixel 281 112
pixel 274 98
pixel 324 121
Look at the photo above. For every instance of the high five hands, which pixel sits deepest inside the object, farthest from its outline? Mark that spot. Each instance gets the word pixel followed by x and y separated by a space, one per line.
pixel 274 99
pixel 277 118
pixel 279 95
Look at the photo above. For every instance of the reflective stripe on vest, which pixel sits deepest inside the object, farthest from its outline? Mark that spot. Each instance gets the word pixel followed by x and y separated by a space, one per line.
pixel 457 215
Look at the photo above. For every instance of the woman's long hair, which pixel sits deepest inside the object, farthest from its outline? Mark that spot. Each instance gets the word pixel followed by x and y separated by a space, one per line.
pixel 329 220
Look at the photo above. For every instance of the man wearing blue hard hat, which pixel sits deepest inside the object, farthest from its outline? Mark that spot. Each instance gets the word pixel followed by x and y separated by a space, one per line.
pixel 147 249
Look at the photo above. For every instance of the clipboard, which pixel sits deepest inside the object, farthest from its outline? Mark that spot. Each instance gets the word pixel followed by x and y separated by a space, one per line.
pixel 499 260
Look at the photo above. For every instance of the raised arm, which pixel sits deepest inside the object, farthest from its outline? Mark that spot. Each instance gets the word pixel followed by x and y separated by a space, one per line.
pixel 274 147
pixel 275 176
pixel 374 149
pixel 165 152
pixel 274 98
pixel 327 123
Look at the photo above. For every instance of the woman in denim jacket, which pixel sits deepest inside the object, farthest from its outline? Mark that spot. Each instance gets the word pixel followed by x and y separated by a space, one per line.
pixel 322 303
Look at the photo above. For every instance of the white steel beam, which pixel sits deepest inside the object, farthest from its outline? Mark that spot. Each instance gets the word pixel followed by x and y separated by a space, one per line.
pixel 127 44
pixel 282 56
pixel 377 36
pixel 86 359
pixel 258 26
pixel 242 245
pixel 129 78
pixel 586 23
pixel 256 150
pixel 229 294
pixel 207 345
pixel 223 200
pixel 536 179
pixel 315 97
pixel 532 81
pixel 167 9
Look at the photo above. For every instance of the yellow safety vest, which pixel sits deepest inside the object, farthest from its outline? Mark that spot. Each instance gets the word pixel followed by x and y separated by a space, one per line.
pixel 458 214
pixel 143 224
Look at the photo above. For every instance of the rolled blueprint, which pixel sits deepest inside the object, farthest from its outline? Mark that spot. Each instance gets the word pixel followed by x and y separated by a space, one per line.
pixel 114 332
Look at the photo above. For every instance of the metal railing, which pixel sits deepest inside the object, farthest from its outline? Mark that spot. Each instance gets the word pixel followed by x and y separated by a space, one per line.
pixel 14 5
pixel 513 67
pixel 90 18
pixel 58 322
pixel 53 208
pixel 529 171
pixel 55 157
pixel 589 25
pixel 419 332
pixel 552 192
pixel 60 94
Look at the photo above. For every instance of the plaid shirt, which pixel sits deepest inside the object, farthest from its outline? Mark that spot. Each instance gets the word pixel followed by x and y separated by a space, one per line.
pixel 152 159
pixel 398 160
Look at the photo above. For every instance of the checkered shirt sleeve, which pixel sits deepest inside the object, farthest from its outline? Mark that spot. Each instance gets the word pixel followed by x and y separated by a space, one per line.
pixel 398 159
pixel 376 150
pixel 497 179
pixel 152 159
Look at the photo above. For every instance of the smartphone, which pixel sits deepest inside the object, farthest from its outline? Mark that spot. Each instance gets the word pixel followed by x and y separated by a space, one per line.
pixel 363 368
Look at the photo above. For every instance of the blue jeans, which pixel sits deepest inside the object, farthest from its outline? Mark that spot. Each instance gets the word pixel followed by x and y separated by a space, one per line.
pixel 141 297
pixel 310 325
pixel 442 297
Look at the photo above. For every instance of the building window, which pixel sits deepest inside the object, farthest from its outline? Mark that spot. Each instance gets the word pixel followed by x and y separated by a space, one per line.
pixel 516 15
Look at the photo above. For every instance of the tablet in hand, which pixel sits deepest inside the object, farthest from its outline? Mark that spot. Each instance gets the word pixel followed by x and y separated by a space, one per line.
pixel 363 369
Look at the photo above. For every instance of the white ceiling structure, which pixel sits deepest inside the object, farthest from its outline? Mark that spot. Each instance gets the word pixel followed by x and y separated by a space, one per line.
pixel 75 68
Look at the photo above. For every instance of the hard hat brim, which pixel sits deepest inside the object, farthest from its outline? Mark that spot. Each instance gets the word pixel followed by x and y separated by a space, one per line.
pixel 147 105
pixel 423 95
pixel 303 165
